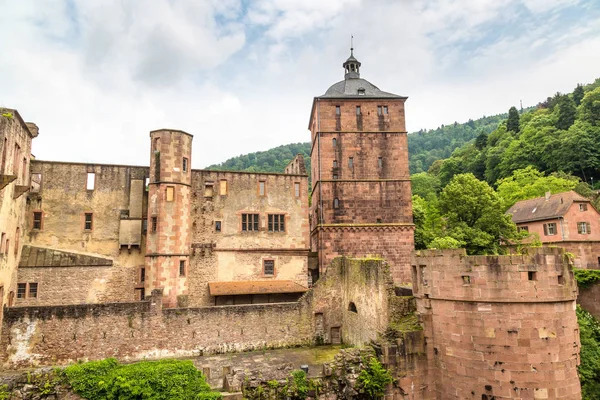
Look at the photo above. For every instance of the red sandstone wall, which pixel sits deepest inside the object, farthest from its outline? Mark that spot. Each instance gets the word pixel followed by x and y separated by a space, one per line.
pixel 495 333
pixel 589 299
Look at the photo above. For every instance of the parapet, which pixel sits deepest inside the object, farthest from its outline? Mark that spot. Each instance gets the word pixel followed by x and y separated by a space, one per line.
pixel 543 275
pixel 297 166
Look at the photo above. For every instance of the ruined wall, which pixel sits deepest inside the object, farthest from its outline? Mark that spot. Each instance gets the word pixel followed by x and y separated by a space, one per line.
pixel 499 327
pixel 587 253
pixel 231 254
pixel 15 154
pixel 63 199
pixel 144 330
pixel 589 299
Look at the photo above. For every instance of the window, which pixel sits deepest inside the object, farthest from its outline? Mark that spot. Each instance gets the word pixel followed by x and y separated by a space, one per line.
pixel 142 274
pixel 379 111
pixel 181 267
pixel 269 267
pixel 154 224
pixel 358 110
pixel 532 275
pixel 561 279
pixel 208 190
pixel 550 229
pixel 87 225
pixel 379 162
pixel 297 189
pixel 2 239
pixel 352 307
pixel 37 220
pixel 582 207
pixel 584 228
pixel 466 280
pixel 33 290
pixel 249 222
pixel 338 110
pixel 24 170
pixel 361 91
pixel 276 223
pixel 17 239
pixel 334 142
pixel 351 162
pixel 91 181
pixel 223 187
pixel 261 188
pixel 21 290
pixel 36 182
pixel 141 292
pixel 217 226
pixel 523 229
pixel 170 193
pixel 6 247
pixel 385 110
pixel 335 176
pixel 16 160
pixel 336 203
pixel 185 164
pixel 334 163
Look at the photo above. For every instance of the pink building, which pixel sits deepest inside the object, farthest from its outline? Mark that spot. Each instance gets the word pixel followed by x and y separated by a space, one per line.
pixel 566 219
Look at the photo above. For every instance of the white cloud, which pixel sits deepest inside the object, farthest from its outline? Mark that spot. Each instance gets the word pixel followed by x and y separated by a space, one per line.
pixel 99 77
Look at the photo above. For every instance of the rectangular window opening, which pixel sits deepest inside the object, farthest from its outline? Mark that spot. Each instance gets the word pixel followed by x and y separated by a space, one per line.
pixel 358 112
pixel 261 188
pixel 142 274
pixel 379 162
pixel 561 279
pixel 249 222
pixel 37 220
pixel 379 110
pixel 91 181
pixel 550 229
pixel 523 229
pixel 466 280
pixel 154 224
pixel 185 164
pixel 582 207
pixel 584 228
pixel 532 275
pixel 181 267
pixel 276 222
pixel 208 190
pixel 33 290
pixel 147 184
pixel 269 267
pixel 217 226
pixel 297 189
pixel 36 182
pixel 385 110
pixel 21 290
pixel 223 187
pixel 338 110
pixel 88 221
pixel 351 162
pixel 170 193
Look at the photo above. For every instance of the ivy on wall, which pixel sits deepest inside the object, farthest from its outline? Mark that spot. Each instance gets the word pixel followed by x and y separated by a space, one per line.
pixel 586 277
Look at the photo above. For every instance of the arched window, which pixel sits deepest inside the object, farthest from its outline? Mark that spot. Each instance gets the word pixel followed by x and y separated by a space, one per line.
pixel 336 203
pixel 352 307
pixel 334 141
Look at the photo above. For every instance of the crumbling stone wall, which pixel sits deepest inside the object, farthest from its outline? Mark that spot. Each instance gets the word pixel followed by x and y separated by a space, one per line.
pixel 589 299
pixel 499 326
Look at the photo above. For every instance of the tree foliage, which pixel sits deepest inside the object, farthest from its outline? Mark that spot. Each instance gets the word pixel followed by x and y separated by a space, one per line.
pixel 589 368
pixel 373 380
pixel 512 124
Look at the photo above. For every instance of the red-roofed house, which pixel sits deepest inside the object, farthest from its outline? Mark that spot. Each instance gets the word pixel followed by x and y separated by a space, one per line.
pixel 566 219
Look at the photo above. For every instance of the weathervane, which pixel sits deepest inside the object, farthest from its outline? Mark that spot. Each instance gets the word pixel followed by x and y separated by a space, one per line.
pixel 351 45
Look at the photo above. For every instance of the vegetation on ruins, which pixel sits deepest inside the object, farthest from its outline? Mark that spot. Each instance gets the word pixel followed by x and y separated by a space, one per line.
pixel 589 368
pixel 373 380
pixel 157 380
pixel 586 277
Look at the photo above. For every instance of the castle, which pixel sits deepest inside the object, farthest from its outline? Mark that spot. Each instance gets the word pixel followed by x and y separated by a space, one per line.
pixel 165 261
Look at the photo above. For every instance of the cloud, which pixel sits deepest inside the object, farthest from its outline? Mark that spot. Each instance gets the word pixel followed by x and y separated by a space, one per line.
pixel 97 76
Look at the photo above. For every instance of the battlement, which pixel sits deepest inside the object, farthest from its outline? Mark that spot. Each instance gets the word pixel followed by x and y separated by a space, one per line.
pixel 544 275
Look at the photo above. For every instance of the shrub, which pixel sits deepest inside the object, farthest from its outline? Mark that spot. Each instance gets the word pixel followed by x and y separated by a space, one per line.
pixel 373 380
pixel 586 277
pixel 589 368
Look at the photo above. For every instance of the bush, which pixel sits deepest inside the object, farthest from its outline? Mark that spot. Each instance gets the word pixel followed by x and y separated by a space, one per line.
pixel 586 277
pixel 589 369
pixel 373 380
pixel 156 380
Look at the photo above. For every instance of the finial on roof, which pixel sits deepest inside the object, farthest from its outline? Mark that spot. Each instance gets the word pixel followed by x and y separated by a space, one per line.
pixel 352 65
pixel 351 45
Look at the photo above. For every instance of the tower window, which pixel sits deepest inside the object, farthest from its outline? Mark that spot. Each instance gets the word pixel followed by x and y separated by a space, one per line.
pixel 334 142
pixel 181 267
pixel 379 162
pixel 185 164
pixel 261 188
pixel 170 193
pixel 154 224
pixel 334 163
pixel 223 187
pixel 249 222
pixel 142 274
pixel 358 112
pixel 208 189
pixel 351 162
pixel 379 110
pixel 91 181
pixel 336 203
pixel 37 220
pixel 88 221
pixel 385 110
pixel 33 290
pixel 338 110
pixel 297 189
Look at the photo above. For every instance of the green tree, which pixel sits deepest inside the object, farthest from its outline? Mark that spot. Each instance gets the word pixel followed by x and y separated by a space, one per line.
pixel 590 107
pixel 425 185
pixel 481 141
pixel 578 94
pixel 512 124
pixel 589 368
pixel 579 149
pixel 566 112
pixel 528 183
pixel 473 215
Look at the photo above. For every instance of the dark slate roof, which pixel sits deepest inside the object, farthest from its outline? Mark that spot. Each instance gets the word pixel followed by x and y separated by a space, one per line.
pixel 41 257
pixel 540 208
pixel 348 88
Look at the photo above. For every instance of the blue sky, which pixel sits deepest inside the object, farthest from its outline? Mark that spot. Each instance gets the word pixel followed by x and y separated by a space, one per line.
pixel 97 76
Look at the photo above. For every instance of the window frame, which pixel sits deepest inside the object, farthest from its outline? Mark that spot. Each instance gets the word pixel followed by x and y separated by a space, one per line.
pixel 182 268
pixel 276 223
pixel 154 224
pixel 584 228
pixel 21 285
pixel 264 269
pixel 250 220
pixel 33 220
pixel 85 221
pixel 297 189
pixel 172 197
pixel 90 187
pixel 262 188
pixel 218 226
pixel 185 164
pixel 31 285
pixel 547 229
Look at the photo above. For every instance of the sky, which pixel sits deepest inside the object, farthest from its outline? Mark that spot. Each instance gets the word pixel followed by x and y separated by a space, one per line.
pixel 97 76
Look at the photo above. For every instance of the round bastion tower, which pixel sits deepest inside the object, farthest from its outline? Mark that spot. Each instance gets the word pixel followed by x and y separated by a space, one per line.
pixel 169 236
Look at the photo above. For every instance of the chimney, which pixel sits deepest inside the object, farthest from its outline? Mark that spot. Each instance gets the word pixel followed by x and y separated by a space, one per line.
pixel 547 195
pixel 33 128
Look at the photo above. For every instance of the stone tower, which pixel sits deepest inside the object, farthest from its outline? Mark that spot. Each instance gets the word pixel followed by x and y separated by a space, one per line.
pixel 361 196
pixel 169 237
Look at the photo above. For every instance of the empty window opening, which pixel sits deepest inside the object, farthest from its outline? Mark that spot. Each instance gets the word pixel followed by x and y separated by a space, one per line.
pixel 561 279
pixel 582 207
pixel 351 162
pixel 88 221
pixel 154 224
pixel 358 110
pixel 336 203
pixel 16 159
pixel 261 188
pixel 141 294
pixel 584 228
pixel 91 181
pixel 157 144
pixel 33 290
pixel 352 307
pixel 338 110
pixel 335 176
pixel 532 275
pixel 36 182
pixel 147 184
pixel 334 142
pixel 208 190
pixel 21 290
pixel 142 274
pixel 181 267
pixel 184 165
pixel 335 164
pixel 379 220
pixel 217 226
pixel 379 162
pixel 269 267
pixel 466 280
pixel 37 220
pixel 170 193
pixel 276 223
pixel 2 165
pixel 223 187
pixel 249 222
pixel 297 189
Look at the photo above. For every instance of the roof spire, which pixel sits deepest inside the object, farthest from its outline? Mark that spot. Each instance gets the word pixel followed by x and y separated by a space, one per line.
pixel 352 65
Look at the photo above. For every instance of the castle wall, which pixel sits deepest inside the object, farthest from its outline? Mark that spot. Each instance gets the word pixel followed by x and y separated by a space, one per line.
pixel 589 299
pixel 63 199
pixel 500 326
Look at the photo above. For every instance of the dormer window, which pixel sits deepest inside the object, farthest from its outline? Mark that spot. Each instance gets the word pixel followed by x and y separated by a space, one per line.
pixel 361 91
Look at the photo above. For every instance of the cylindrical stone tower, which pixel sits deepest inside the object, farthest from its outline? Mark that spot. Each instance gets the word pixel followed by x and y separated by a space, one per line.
pixel 169 237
